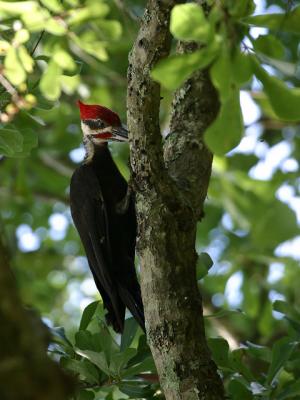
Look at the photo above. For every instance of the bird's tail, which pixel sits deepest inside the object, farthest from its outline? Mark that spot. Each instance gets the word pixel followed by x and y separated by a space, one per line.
pixel 114 320
pixel 132 299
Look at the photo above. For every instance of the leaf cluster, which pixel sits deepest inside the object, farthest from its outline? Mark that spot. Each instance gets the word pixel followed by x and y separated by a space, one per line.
pixel 106 368
pixel 234 57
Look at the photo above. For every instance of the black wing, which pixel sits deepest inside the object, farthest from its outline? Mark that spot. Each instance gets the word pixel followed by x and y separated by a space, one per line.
pixel 90 218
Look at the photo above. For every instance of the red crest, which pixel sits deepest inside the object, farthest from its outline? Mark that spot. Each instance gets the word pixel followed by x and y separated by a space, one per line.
pixel 94 111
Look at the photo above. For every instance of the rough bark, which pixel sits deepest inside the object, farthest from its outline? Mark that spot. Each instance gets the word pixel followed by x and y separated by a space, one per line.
pixel 171 185
pixel 25 370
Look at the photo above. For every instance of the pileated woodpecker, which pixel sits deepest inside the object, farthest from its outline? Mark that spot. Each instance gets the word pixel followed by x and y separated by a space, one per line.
pixel 104 214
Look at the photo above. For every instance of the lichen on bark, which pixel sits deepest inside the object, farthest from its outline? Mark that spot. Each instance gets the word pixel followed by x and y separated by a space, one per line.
pixel 171 181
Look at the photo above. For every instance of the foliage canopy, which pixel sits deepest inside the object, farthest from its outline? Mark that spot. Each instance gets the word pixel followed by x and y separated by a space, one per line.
pixel 56 51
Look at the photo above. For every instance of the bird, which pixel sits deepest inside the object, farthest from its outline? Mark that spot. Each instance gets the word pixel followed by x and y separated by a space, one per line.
pixel 103 211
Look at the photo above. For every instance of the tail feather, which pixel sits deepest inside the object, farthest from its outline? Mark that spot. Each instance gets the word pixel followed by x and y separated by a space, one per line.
pixel 115 321
pixel 133 300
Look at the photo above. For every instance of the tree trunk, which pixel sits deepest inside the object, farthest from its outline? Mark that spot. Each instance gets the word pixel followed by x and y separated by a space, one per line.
pixel 171 184
pixel 26 373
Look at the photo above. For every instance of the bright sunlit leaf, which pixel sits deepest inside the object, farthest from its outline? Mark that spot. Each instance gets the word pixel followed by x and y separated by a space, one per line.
pixel 14 69
pixel 173 71
pixel 49 84
pixel 188 22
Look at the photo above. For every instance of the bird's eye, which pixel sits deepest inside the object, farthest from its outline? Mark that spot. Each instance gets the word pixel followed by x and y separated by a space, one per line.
pixel 95 123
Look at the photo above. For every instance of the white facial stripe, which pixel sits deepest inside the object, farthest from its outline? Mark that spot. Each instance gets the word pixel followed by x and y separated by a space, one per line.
pixel 91 133
pixel 88 131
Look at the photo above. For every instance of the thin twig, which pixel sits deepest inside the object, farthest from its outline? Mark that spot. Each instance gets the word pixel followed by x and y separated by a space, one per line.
pixel 8 87
pixel 37 43
pixel 56 165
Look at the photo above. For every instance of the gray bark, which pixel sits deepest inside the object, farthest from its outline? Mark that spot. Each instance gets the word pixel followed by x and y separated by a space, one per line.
pixel 171 181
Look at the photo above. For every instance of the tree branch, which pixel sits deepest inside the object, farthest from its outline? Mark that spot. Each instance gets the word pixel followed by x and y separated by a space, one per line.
pixel 168 203
pixel 153 43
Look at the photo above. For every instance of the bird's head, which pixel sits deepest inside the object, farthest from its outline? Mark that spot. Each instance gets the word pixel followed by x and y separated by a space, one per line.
pixel 100 125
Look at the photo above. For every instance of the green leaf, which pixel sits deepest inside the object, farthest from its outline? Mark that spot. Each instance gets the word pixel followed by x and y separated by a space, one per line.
pixel 257 351
pixel 88 314
pixel 263 101
pixel 53 5
pixel 36 20
pixel 87 371
pixel 241 68
pixel 237 363
pixel 63 59
pixel 290 313
pixel 91 11
pixel 173 71
pixel 21 36
pixel 83 340
pixel 103 341
pixel 42 103
pixel 85 394
pixel 56 26
pixel 188 22
pixel 97 359
pixel 50 84
pixel 241 8
pixel 288 21
pixel 42 57
pixel 59 333
pixel 14 70
pixel 119 360
pixel 4 46
pixel 286 68
pixel 130 329
pixel 219 348
pixel 204 264
pixel 239 390
pixel 11 142
pixel 281 352
pixel 30 140
pixel 147 365
pixel 136 390
pixel 269 45
pixel 220 73
pixel 143 351
pixel 8 8
pixel 230 115
pixel 285 101
pixel 280 223
pixel 109 29
pixel 291 390
pixel 94 47
pixel 25 59
pixel 281 306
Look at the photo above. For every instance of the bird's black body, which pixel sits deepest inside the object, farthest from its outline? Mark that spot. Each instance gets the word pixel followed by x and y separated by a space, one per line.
pixel 108 236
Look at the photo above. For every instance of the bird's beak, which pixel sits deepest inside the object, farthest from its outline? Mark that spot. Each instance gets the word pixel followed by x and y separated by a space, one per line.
pixel 119 134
